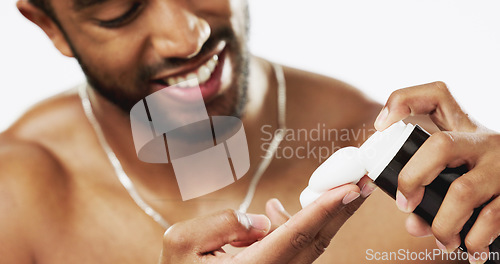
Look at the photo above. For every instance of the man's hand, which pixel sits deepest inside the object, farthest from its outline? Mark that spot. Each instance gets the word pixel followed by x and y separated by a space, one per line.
pixel 461 141
pixel 299 239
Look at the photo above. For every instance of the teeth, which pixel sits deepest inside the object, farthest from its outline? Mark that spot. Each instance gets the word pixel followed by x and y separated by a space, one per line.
pixel 192 80
pixel 212 63
pixel 204 73
pixel 197 76
pixel 171 80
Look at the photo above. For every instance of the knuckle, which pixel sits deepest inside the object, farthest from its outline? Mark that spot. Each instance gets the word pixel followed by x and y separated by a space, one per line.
pixel 174 238
pixel 301 240
pixel 441 86
pixel 491 215
pixel 320 245
pixel 443 90
pixel 229 217
pixel 462 189
pixel 398 97
pixel 442 140
pixel 323 241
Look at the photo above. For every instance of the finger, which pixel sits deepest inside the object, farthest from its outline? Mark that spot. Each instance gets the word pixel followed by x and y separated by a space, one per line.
pixel 322 240
pixel 242 243
pixel 366 186
pixel 299 232
pixel 214 231
pixel 325 235
pixel 417 227
pixel 447 149
pixel 484 231
pixel 433 99
pixel 276 213
pixel 469 191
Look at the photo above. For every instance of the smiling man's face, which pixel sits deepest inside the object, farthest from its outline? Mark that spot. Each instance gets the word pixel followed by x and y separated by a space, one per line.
pixel 129 49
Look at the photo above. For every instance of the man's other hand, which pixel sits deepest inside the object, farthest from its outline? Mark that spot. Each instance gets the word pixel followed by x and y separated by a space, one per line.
pixel 301 238
pixel 460 141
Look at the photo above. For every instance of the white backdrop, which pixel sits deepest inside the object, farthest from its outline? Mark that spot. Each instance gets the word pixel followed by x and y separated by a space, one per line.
pixel 378 46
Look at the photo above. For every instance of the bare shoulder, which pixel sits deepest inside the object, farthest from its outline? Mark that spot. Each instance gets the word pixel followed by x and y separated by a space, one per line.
pixel 25 166
pixel 51 119
pixel 27 185
pixel 26 147
pixel 318 98
pixel 33 180
pixel 29 157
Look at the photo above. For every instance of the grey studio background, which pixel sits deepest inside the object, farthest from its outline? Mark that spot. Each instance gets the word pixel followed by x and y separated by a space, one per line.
pixel 377 46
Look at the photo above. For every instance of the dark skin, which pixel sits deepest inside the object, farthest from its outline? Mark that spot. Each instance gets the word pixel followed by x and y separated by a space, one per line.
pixel 75 215
pixel 65 205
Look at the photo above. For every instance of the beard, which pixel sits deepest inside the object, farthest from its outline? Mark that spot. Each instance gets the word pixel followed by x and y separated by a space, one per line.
pixel 119 92
pixel 124 90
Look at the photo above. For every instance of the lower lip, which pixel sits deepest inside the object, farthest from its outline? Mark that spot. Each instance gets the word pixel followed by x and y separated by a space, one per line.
pixel 209 89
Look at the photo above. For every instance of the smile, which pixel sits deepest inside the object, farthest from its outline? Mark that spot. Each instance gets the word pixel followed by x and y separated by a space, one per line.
pixel 203 76
pixel 198 76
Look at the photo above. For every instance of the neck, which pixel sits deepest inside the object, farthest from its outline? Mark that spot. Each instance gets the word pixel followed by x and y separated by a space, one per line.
pixel 261 110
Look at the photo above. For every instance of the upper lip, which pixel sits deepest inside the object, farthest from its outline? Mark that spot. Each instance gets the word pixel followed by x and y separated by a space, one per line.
pixel 192 65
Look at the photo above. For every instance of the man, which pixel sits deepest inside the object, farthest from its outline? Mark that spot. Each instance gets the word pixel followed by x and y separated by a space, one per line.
pixel 62 201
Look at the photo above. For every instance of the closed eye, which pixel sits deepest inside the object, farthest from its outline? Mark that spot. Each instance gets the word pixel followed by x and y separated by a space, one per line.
pixel 123 19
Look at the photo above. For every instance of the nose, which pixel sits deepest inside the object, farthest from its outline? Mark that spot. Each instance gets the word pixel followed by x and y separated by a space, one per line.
pixel 177 32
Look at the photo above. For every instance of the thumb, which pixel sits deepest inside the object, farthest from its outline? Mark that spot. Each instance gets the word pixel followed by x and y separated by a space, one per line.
pixel 209 233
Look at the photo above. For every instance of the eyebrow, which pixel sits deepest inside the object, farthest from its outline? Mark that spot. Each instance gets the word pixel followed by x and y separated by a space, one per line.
pixel 79 5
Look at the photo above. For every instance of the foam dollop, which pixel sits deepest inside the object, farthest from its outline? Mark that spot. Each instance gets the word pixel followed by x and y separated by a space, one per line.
pixel 350 164
pixel 344 166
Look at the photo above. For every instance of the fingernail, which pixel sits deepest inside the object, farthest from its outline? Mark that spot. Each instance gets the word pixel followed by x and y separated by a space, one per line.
pixel 259 222
pixel 474 260
pixel 382 116
pixel 278 206
pixel 402 202
pixel 444 248
pixel 367 189
pixel 441 246
pixel 351 196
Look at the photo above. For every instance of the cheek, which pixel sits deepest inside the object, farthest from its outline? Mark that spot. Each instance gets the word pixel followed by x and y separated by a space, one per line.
pixel 116 59
pixel 119 53
pixel 214 7
pixel 110 51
